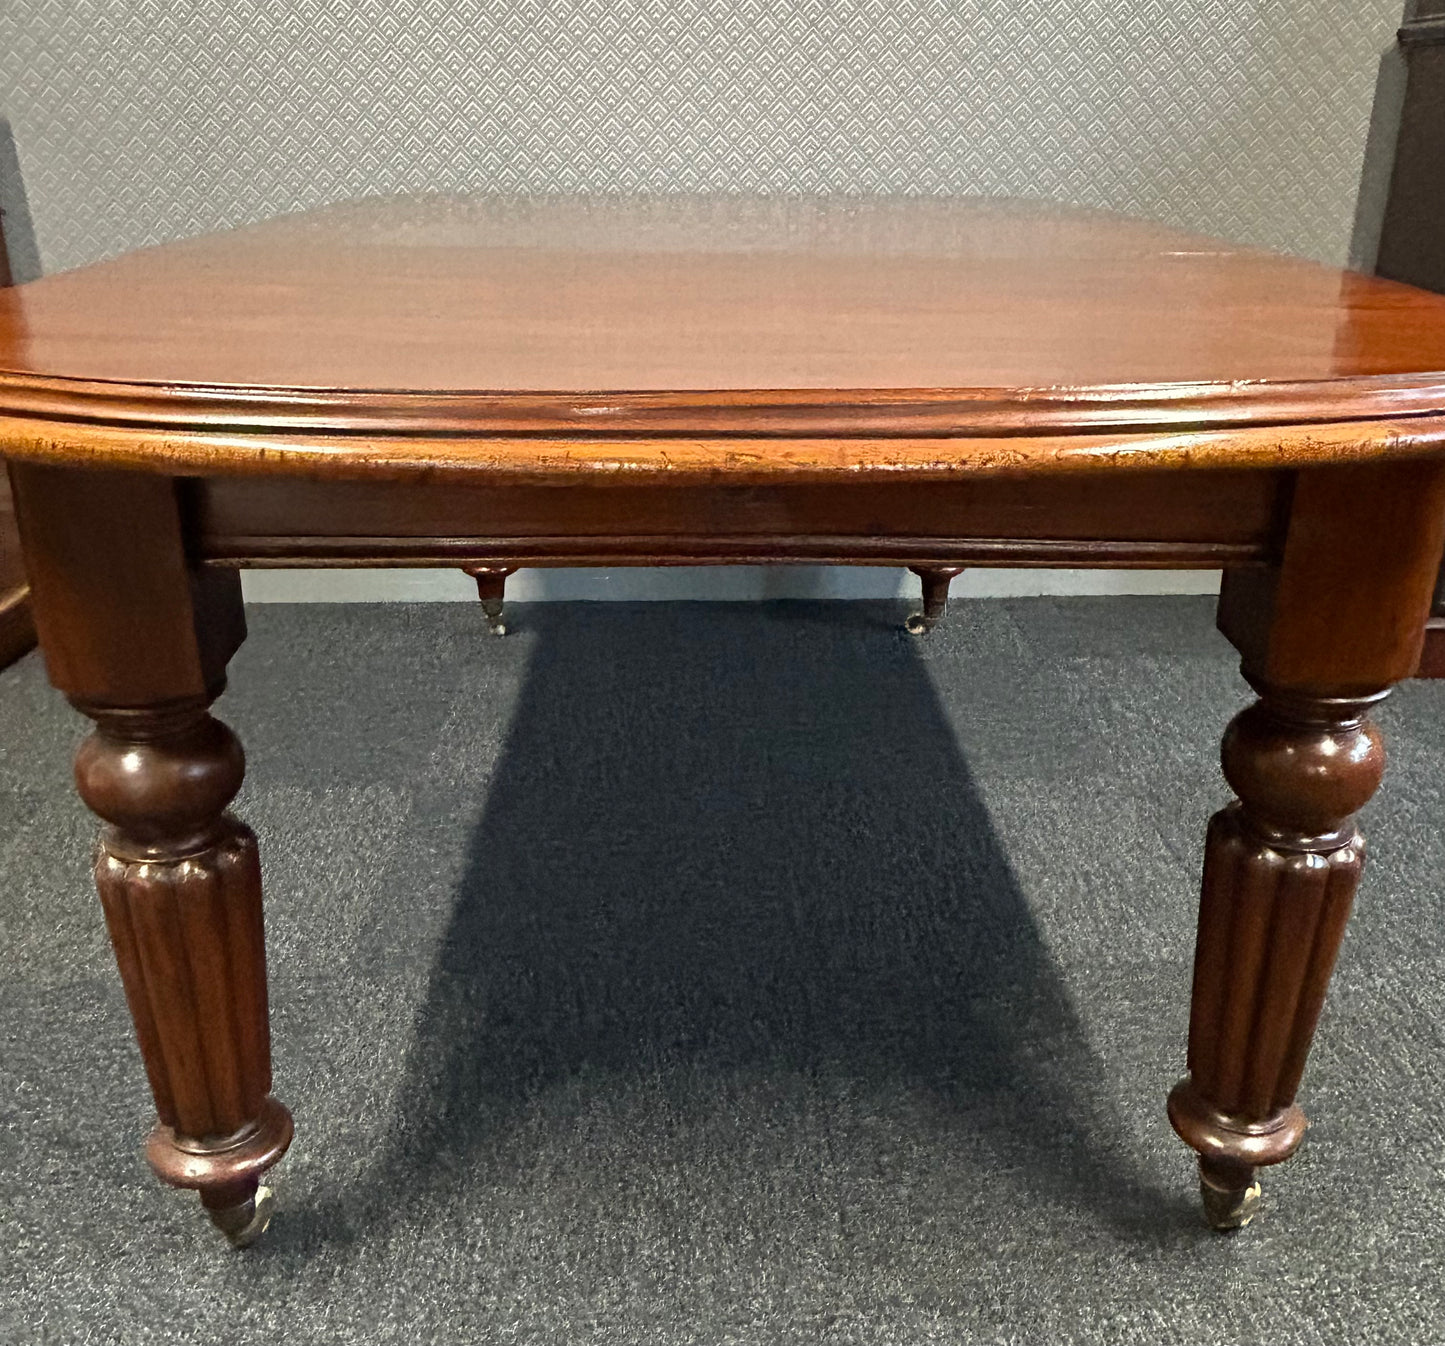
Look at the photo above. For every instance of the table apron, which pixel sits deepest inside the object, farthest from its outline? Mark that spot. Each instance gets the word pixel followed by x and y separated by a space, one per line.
pixel 383 552
pixel 1140 519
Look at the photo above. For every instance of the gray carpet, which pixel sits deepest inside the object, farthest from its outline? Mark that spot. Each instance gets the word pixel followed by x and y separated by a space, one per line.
pixel 704 973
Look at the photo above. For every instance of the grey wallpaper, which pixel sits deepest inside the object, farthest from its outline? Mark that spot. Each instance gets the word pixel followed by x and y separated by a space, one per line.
pixel 140 120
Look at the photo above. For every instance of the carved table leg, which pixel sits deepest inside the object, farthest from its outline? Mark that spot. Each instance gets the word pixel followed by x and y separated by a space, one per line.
pixel 1323 631
pixel 181 887
pixel 1280 871
pixel 936 580
pixel 138 638
pixel 491 589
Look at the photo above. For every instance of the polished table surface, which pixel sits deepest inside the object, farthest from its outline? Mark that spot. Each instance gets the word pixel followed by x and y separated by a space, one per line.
pixel 500 381
pixel 948 328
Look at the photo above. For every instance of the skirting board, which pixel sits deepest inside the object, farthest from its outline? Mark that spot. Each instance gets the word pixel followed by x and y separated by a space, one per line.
pixel 715 583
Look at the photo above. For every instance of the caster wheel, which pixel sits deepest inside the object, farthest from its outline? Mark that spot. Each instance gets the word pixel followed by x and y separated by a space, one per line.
pixel 244 1223
pixel 492 590
pixel 1230 1207
pixel 935 581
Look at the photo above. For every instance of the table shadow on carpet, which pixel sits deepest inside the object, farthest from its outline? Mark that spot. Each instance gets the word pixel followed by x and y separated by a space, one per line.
pixel 708 856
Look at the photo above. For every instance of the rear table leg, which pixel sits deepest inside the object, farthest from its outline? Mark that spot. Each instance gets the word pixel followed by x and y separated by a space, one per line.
pixel 491 589
pixel 936 580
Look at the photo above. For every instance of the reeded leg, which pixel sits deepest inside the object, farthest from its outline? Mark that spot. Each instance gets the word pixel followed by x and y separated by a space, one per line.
pixel 1280 870
pixel 491 589
pixel 181 886
pixel 936 580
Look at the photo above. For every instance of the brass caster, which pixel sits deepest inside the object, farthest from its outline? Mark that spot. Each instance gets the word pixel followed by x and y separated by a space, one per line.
pixel 935 581
pixel 245 1222
pixel 492 590
pixel 1229 1207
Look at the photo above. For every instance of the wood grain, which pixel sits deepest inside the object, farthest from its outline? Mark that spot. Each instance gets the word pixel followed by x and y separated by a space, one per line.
pixel 603 461
pixel 248 520
pixel 1345 608
pixel 123 620
pixel 512 334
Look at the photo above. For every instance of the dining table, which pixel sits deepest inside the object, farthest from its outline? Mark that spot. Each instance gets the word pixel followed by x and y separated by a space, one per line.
pixel 492 382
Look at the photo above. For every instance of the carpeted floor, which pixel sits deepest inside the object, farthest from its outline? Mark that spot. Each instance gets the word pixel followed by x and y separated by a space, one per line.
pixel 683 973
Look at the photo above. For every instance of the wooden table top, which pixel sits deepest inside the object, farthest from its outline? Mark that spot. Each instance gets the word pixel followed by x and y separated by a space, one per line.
pixel 705 335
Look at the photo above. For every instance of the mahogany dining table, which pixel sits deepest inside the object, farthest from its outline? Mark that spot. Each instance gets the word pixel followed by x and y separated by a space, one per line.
pixel 491 382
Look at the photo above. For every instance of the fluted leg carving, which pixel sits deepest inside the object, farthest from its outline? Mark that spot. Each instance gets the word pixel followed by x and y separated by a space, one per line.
pixel 1280 871
pixel 180 882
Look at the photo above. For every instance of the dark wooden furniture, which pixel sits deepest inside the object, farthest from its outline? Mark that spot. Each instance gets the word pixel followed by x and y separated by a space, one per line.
pixel 1412 231
pixel 17 631
pixel 489 383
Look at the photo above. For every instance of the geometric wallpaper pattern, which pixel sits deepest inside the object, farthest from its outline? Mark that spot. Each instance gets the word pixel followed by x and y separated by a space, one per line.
pixel 135 121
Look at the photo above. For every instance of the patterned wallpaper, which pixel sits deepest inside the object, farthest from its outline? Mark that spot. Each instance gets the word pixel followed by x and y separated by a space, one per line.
pixel 140 120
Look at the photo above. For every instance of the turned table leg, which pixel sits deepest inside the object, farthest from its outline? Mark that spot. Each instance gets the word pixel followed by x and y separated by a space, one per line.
pixel 139 640
pixel 1323 633
pixel 492 589
pixel 180 882
pixel 935 580
pixel 1280 869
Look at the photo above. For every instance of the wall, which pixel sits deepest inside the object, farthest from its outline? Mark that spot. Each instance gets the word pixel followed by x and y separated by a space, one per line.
pixel 141 121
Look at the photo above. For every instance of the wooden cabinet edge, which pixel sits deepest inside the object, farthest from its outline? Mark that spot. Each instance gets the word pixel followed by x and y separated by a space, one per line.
pixel 17 627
